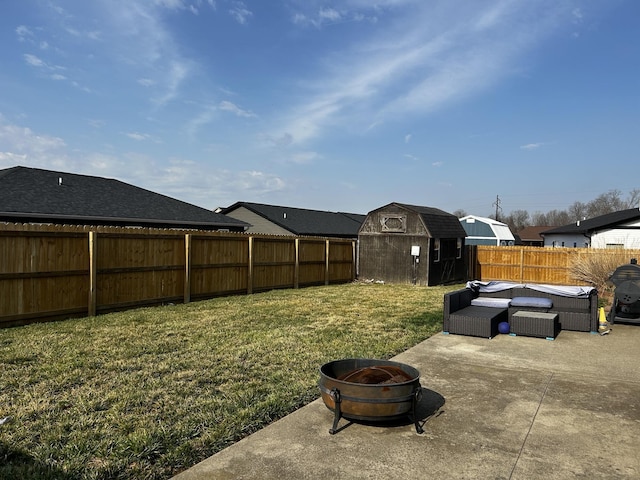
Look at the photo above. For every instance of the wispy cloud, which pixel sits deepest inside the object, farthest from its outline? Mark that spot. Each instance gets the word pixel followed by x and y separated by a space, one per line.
pixel 240 12
pixel 137 136
pixel 136 34
pixel 326 16
pixel 304 158
pixel 443 53
pixel 209 113
pixel 34 61
pixel 233 108
pixel 176 73
pixel 531 146
pixel 23 32
pixel 21 145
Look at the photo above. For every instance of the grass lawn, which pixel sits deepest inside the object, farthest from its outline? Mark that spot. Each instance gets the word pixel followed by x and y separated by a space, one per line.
pixel 148 393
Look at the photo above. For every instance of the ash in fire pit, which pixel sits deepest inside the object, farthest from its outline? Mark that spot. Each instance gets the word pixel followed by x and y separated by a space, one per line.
pixel 371 390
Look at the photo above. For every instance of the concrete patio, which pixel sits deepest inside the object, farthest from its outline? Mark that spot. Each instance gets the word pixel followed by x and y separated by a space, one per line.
pixel 507 408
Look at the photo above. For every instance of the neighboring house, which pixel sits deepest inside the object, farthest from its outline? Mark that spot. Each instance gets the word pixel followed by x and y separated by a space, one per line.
pixel 401 243
pixel 278 220
pixel 32 195
pixel 530 236
pixel 486 231
pixel 614 230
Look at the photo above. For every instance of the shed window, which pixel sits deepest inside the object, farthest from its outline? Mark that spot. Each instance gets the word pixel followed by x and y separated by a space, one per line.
pixel 459 248
pixel 436 250
pixel 394 223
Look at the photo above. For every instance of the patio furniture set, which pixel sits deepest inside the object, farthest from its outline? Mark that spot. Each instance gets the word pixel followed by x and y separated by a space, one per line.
pixel 529 309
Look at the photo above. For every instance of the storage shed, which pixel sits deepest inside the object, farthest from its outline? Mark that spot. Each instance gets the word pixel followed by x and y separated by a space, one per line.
pixel 486 231
pixel 400 243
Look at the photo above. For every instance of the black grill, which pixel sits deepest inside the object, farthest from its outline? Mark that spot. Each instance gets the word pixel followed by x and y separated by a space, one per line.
pixel 626 300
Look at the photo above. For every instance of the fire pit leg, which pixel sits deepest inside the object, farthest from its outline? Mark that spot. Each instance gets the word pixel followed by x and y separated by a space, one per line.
pixel 335 394
pixel 417 396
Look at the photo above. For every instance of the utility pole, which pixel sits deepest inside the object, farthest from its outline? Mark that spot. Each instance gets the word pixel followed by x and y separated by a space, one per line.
pixel 498 207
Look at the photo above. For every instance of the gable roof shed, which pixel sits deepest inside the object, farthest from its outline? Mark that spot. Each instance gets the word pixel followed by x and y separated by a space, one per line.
pixel 404 243
pixel 33 195
pixel 486 231
pixel 280 220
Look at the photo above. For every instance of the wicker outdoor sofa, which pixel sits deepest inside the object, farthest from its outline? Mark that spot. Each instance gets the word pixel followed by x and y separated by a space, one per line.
pixel 479 308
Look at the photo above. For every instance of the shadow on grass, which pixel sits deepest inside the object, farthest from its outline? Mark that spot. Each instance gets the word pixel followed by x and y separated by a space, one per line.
pixel 15 463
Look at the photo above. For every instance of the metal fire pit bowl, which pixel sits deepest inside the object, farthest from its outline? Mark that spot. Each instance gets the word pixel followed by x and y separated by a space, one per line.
pixel 370 390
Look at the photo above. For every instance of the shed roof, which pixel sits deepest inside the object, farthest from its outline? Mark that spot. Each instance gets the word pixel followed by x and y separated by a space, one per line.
pixel 32 194
pixel 439 224
pixel 302 221
pixel 500 230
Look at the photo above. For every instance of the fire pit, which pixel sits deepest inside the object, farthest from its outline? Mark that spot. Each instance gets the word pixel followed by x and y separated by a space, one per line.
pixel 370 390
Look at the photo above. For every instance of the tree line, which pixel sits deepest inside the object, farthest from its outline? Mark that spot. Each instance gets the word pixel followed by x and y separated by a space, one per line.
pixel 612 201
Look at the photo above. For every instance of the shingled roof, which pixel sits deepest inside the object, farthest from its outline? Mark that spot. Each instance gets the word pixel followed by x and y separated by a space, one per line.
pixel 438 223
pixel 36 195
pixel 301 221
pixel 594 224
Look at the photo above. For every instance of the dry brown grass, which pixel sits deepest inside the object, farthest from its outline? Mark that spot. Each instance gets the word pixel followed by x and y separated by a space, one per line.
pixel 595 269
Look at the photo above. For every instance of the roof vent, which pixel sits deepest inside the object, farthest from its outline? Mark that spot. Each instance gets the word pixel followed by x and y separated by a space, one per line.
pixel 59 180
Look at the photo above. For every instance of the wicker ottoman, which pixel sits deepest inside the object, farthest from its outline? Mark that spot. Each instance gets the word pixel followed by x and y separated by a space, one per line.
pixel 535 324
pixel 477 321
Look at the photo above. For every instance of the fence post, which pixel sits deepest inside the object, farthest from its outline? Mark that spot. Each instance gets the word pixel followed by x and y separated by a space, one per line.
pixel 353 261
pixel 187 268
pixel 296 268
pixel 326 262
pixel 250 268
pixel 93 274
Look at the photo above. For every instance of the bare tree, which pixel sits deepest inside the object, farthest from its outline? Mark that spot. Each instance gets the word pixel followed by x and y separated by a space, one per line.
pixel 633 201
pixel 539 219
pixel 517 220
pixel 604 203
pixel 578 211
pixel 557 218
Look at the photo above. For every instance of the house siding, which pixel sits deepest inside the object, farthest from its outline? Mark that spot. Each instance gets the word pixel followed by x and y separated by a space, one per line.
pixel 258 224
pixel 567 240
pixel 626 236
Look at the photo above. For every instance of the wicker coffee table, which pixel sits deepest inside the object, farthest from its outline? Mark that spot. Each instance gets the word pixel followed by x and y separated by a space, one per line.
pixel 534 324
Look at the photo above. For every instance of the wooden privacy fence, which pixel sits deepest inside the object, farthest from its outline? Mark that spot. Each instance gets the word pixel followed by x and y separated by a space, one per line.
pixel 534 264
pixel 51 272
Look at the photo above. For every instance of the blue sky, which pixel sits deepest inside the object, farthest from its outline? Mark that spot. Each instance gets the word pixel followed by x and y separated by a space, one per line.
pixel 329 105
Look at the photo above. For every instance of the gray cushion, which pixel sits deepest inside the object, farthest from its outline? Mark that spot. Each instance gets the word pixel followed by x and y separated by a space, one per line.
pixel 491 302
pixel 538 302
